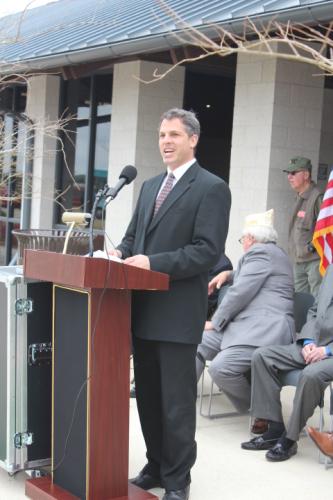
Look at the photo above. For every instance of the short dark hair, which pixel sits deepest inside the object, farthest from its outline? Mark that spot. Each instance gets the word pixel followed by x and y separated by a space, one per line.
pixel 188 118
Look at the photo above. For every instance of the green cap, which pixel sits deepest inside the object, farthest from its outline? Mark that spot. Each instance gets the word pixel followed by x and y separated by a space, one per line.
pixel 298 163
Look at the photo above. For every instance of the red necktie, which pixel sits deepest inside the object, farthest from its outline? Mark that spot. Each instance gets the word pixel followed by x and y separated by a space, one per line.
pixel 164 192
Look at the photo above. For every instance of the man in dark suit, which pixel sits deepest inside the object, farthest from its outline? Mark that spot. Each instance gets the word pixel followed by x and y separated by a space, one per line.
pixel 179 227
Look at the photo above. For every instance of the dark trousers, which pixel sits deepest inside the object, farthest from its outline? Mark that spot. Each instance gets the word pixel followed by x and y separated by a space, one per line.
pixel 166 391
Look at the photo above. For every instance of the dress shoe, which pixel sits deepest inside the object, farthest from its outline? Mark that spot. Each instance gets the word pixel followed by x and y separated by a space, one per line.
pixel 259 426
pixel 279 453
pixel 259 443
pixel 323 440
pixel 146 481
pixel 183 494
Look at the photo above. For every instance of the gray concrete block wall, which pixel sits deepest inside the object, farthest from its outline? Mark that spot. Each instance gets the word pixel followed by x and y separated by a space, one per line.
pixel 326 144
pixel 296 130
pixel 277 115
pixel 136 110
pixel 251 144
pixel 42 108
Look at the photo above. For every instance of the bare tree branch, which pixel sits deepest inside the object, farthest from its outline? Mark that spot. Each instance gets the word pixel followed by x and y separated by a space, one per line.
pixel 294 42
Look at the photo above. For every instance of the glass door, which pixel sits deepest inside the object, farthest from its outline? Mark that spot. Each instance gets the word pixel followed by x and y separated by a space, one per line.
pixel 12 156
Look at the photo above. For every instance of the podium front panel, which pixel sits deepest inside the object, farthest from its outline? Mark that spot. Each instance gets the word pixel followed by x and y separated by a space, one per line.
pixel 71 339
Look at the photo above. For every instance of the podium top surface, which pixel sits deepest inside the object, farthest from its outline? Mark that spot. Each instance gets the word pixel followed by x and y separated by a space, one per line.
pixel 90 272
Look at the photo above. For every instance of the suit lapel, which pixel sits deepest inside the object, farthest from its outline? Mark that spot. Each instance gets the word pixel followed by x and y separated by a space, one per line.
pixel 183 185
pixel 148 203
pixel 151 197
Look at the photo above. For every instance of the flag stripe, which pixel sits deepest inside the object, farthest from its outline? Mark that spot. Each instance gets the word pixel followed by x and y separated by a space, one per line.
pixel 323 233
pixel 327 205
pixel 323 224
pixel 328 193
pixel 328 189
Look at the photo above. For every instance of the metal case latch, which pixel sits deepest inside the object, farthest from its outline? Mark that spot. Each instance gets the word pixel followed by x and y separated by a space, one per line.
pixel 23 306
pixel 40 354
pixel 23 439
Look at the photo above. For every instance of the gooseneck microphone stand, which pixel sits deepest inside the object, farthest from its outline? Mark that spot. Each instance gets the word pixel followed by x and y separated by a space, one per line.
pixel 108 194
pixel 101 193
pixel 127 175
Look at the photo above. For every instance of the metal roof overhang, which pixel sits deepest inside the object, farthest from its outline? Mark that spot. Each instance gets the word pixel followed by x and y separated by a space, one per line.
pixel 307 14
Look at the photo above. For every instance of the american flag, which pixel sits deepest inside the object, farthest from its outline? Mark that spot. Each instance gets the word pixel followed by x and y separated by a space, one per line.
pixel 323 233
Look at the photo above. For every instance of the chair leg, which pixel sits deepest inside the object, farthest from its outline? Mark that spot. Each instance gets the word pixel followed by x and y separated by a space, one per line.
pixel 250 426
pixel 210 395
pixel 321 457
pixel 209 413
pixel 210 399
pixel 328 460
pixel 201 392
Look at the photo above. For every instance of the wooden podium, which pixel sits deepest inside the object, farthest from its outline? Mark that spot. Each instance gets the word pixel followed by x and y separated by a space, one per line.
pixel 90 375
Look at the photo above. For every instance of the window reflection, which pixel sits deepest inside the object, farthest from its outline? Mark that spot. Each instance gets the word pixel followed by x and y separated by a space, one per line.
pixel 89 99
pixel 7 145
pixel 13 154
pixel 2 241
pixel 104 109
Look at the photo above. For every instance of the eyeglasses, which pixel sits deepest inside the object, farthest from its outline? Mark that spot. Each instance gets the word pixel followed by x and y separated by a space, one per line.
pixel 293 173
pixel 244 237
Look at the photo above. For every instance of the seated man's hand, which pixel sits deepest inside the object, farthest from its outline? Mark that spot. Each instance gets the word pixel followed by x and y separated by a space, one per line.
pixel 307 349
pixel 209 325
pixel 218 281
pixel 316 354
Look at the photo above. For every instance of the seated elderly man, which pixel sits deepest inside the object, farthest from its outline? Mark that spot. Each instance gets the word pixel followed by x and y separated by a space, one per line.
pixel 256 310
pixel 312 353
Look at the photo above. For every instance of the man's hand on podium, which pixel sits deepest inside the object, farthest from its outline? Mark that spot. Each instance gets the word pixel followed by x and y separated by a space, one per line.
pixel 115 253
pixel 138 261
pixel 100 254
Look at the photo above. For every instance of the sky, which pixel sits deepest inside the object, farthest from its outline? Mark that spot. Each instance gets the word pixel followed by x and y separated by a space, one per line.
pixel 11 6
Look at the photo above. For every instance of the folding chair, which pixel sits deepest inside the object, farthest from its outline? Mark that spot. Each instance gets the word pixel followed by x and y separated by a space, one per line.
pixel 210 395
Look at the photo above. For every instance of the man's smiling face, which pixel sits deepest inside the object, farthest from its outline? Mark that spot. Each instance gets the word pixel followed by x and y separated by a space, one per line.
pixel 176 146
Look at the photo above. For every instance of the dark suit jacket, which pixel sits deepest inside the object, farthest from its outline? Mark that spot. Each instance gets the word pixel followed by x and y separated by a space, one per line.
pixel 184 240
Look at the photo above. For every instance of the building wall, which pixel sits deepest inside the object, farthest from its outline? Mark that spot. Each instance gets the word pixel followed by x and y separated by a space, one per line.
pixel 42 108
pixel 136 110
pixel 280 111
pixel 251 143
pixel 277 115
pixel 326 143
pixel 297 122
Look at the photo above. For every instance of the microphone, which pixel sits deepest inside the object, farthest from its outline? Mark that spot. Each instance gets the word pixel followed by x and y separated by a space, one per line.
pixel 76 218
pixel 126 176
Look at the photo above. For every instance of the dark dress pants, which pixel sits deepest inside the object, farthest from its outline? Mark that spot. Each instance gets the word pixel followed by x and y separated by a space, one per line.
pixel 166 391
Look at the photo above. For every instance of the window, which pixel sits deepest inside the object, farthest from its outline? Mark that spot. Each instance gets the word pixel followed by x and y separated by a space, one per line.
pixel 84 169
pixel 13 156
